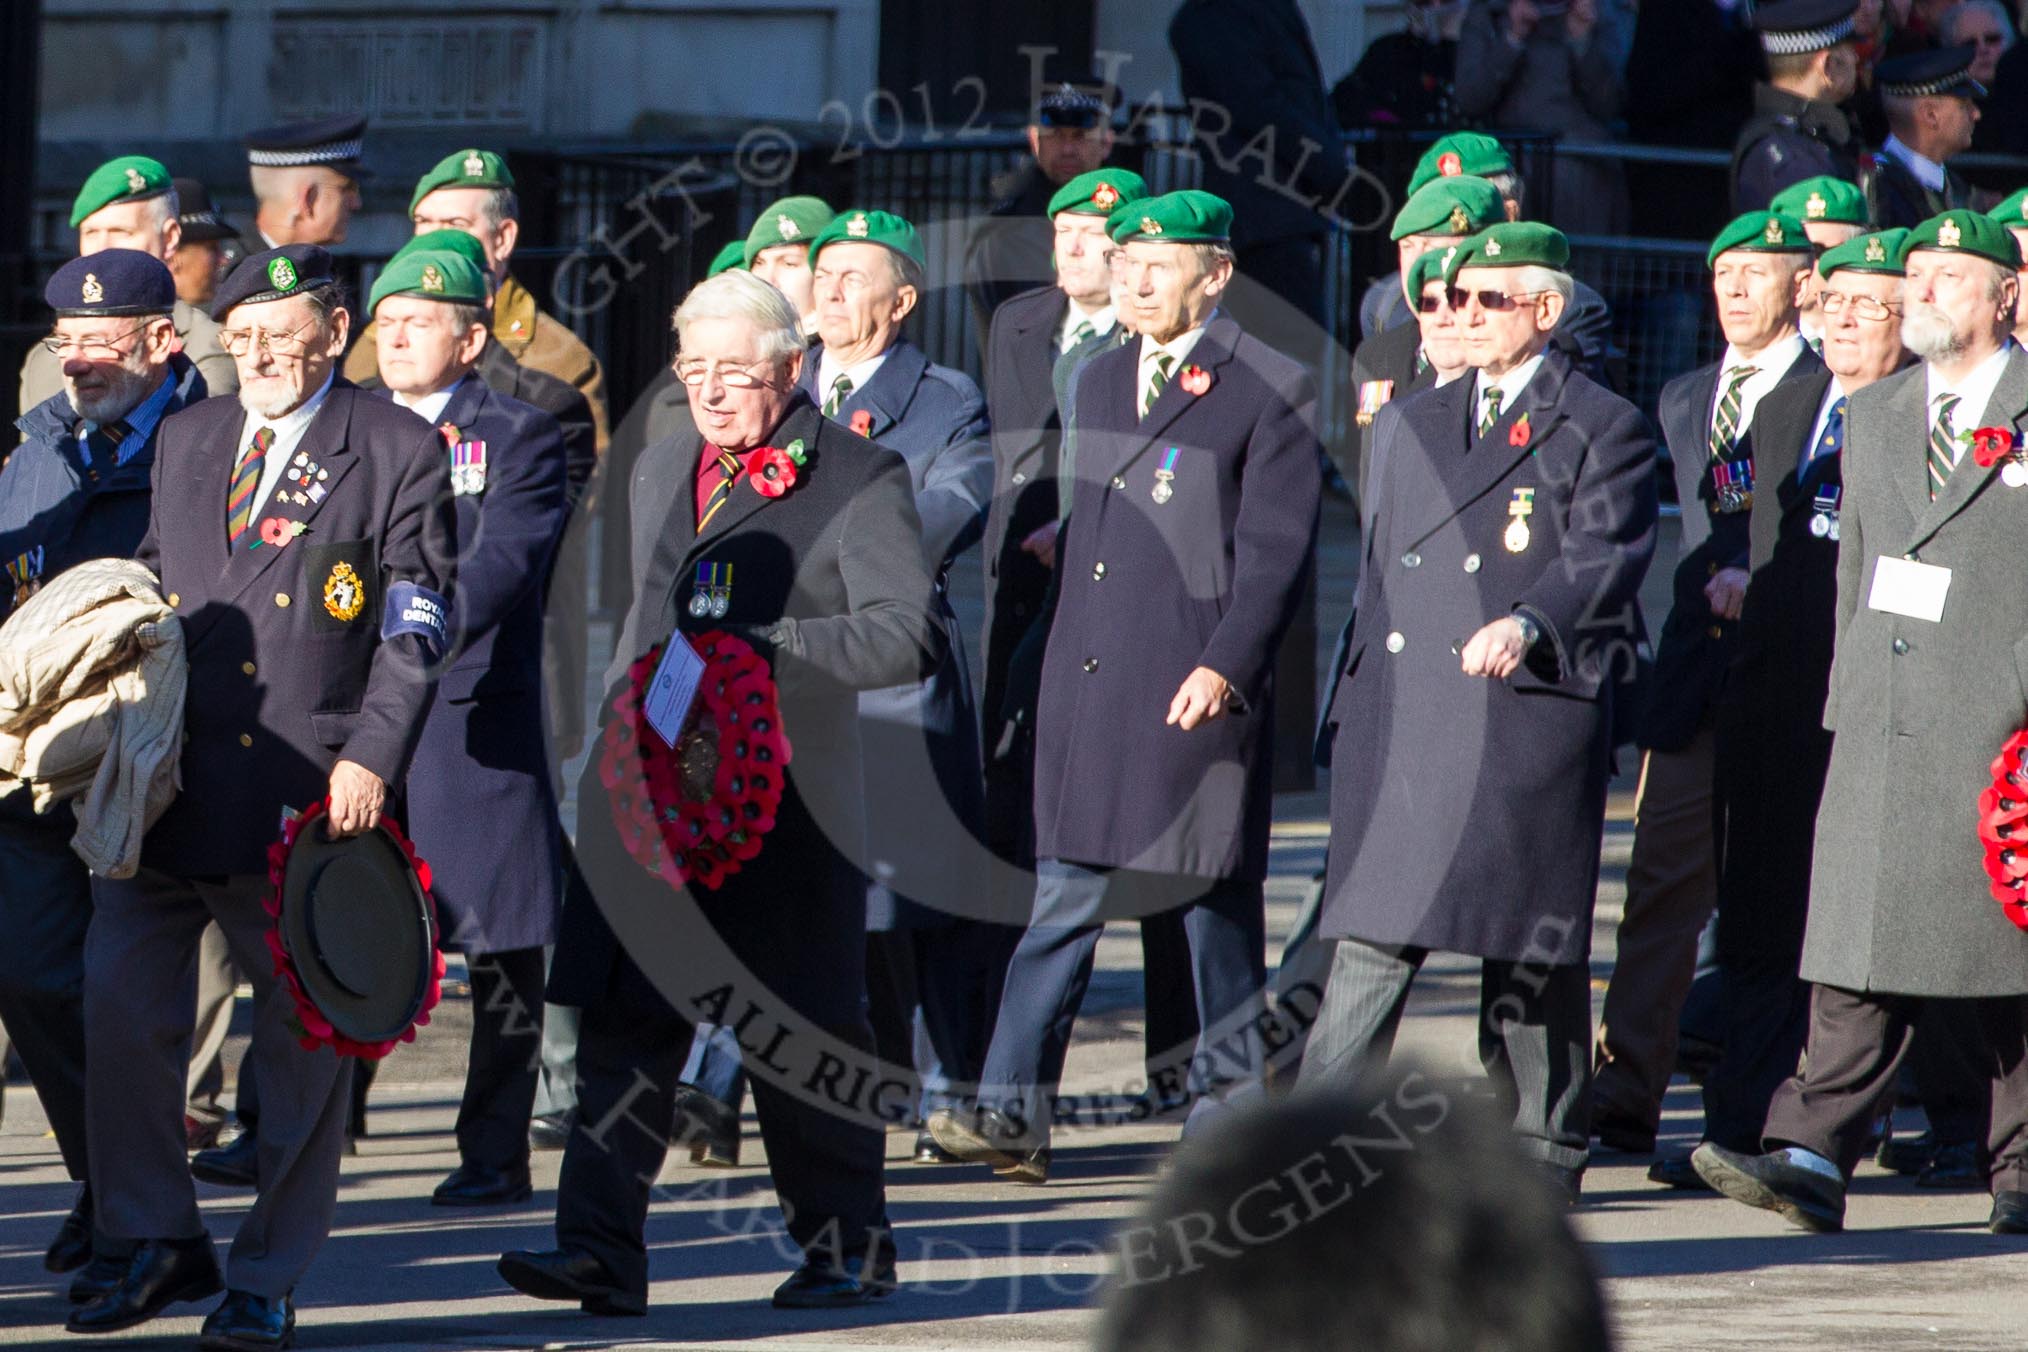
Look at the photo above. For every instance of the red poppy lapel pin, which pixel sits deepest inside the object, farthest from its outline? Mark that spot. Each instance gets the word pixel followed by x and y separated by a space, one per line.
pixel 772 470
pixel 862 422
pixel 1518 434
pixel 1991 446
pixel 277 531
pixel 1194 380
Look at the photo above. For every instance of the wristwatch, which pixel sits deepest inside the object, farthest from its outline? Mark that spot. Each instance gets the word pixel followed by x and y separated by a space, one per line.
pixel 1530 631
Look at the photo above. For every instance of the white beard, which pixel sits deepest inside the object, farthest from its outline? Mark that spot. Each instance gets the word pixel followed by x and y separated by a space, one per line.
pixel 1926 331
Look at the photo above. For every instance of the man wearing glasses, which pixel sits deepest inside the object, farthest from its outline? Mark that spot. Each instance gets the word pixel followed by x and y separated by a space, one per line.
pixel 305 178
pixel 304 535
pixel 1514 518
pixel 76 489
pixel 1759 266
pixel 131 203
pixel 1772 747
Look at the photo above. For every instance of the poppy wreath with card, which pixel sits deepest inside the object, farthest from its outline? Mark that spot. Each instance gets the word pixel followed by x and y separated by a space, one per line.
pixel 2003 828
pixel 697 812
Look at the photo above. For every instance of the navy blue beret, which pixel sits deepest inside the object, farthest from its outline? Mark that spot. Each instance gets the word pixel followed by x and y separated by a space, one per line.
pixel 273 274
pixel 111 282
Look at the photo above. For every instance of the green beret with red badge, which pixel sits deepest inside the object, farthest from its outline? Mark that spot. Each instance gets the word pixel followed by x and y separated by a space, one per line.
pixel 1098 193
pixel 1462 152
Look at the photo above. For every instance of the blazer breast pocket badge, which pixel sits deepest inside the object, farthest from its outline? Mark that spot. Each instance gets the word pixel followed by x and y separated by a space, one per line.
pixel 342 581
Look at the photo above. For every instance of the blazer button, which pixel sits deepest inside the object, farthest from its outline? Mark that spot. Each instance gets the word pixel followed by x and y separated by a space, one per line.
pixel 1020 478
pixel 1716 631
pixel 1098 570
pixel 1411 560
pixel 1901 647
pixel 246 739
pixel 1091 664
pixel 282 600
pixel 174 599
pixel 1473 563
pixel 247 667
pixel 1118 482
pixel 1395 642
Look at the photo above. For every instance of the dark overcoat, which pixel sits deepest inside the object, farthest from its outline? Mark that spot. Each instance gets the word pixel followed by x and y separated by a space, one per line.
pixel 1149 591
pixel 297 660
pixel 1788 139
pixel 924 784
pixel 838 557
pixel 1898 897
pixel 1895 197
pixel 481 796
pixel 1388 358
pixel 1466 812
pixel 1696 646
pixel 1772 745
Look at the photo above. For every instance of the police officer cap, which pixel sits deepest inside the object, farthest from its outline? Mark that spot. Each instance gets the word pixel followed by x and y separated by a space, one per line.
pixel 273 274
pixel 1945 70
pixel 111 282
pixel 1069 105
pixel 1797 27
pixel 870 227
pixel 331 141
pixel 201 221
pixel 463 169
pixel 1463 205
pixel 1512 244
pixel 447 240
pixel 1760 232
pixel 793 220
pixel 1877 252
pixel 432 274
pixel 1462 152
pixel 1823 198
pixel 1098 193
pixel 733 255
pixel 130 178
pixel 1965 231
pixel 1188 216
pixel 2012 210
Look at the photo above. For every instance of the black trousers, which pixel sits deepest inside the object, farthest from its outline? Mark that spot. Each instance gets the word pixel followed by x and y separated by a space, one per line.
pixel 1856 1044
pixel 506 1058
pixel 45 909
pixel 630 1049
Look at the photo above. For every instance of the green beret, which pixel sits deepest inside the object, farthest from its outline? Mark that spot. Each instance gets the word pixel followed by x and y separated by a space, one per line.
pixel 1463 205
pixel 2012 211
pixel 1098 193
pixel 1965 231
pixel 1760 232
pixel 1512 244
pixel 435 274
pixel 1428 267
pixel 463 169
pixel 1189 216
pixel 1462 152
pixel 733 255
pixel 793 220
pixel 1825 198
pixel 1877 252
pixel 448 240
pixel 130 178
pixel 871 227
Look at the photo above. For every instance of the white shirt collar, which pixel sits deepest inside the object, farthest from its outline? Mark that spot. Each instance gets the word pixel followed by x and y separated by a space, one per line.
pixel 828 371
pixel 1510 385
pixel 430 407
pixel 288 430
pixel 1178 348
pixel 1927 171
pixel 1101 321
pixel 1974 392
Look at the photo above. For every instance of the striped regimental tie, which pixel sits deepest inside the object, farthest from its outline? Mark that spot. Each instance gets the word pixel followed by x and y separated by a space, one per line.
pixel 1156 380
pixel 728 467
pixel 1942 445
pixel 246 481
pixel 840 388
pixel 1725 426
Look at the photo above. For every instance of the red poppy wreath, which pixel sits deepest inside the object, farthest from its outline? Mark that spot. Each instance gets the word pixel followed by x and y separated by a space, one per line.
pixel 697 812
pixel 2003 829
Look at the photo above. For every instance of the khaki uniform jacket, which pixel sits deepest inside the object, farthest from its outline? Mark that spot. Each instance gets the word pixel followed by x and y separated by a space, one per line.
pixel 42 373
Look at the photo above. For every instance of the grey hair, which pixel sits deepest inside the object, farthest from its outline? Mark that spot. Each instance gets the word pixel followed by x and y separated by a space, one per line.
pixel 1535 277
pixel 1997 11
pixel 500 204
pixel 1208 255
pixel 778 329
pixel 164 207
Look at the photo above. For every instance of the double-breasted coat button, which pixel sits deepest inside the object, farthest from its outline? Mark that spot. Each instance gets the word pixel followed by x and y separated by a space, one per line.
pixel 282 600
pixel 1395 642
pixel 247 667
pixel 1411 560
pixel 1020 478
pixel 1118 482
pixel 1091 664
pixel 1473 563
pixel 1901 647
pixel 1098 570
pixel 174 599
pixel 246 739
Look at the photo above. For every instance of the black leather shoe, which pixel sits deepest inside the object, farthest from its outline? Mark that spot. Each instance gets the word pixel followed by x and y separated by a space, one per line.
pixel 471 1185
pixel 569 1274
pixel 551 1131
pixel 1909 1155
pixel 228 1166
pixel 72 1247
pixel 988 1136
pixel 1624 1134
pixel 825 1284
pixel 1801 1196
pixel 2010 1214
pixel 1677 1172
pixel 96 1278
pixel 249 1323
pixel 927 1151
pixel 161 1272
pixel 708 1127
pixel 1956 1165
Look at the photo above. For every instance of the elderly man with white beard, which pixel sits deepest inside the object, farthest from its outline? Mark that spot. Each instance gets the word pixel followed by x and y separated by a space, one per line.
pixel 1925 688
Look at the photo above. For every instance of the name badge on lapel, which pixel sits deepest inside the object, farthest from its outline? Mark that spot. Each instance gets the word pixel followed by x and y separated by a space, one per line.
pixel 1906 587
pixel 24 571
pixel 1824 514
pixel 468 468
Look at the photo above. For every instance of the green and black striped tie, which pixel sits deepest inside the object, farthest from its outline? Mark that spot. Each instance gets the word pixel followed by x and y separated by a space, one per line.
pixel 1725 426
pixel 1942 459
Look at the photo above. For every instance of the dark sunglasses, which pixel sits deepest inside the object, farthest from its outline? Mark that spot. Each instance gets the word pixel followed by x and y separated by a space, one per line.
pixel 1493 302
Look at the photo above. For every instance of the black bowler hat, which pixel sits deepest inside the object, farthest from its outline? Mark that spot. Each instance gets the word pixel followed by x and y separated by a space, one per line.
pixel 1946 70
pixel 360 931
pixel 273 274
pixel 331 141
pixel 201 222
pixel 111 282
pixel 1797 27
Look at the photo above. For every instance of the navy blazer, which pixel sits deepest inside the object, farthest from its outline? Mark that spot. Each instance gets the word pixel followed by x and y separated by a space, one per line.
pixel 289 668
pixel 483 757
pixel 1148 591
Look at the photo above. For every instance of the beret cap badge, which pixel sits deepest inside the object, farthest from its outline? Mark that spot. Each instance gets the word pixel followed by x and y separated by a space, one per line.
pixel 135 182
pixel 1876 252
pixel 1948 235
pixel 1492 248
pixel 1461 223
pixel 432 278
pixel 1150 226
pixel 857 227
pixel 786 227
pixel 1450 164
pixel 475 164
pixel 281 274
pixel 1773 232
pixel 92 291
pixel 1816 206
pixel 1105 196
